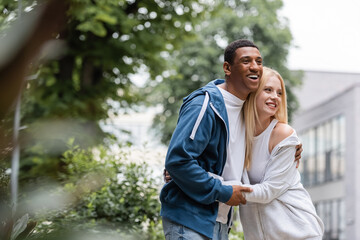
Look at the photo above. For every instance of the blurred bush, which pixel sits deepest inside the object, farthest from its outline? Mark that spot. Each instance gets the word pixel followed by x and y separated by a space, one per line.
pixel 98 194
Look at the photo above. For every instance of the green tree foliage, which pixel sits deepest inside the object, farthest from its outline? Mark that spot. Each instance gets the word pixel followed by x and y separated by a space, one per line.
pixel 9 12
pixel 88 77
pixel 103 43
pixel 200 60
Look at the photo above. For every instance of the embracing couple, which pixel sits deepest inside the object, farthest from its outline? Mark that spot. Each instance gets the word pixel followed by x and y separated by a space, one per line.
pixel 232 146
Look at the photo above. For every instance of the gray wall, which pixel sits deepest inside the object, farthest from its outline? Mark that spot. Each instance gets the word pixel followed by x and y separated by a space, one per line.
pixel 323 96
pixel 319 87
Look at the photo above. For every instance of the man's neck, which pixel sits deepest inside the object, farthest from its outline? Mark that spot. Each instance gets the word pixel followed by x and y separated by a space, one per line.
pixel 229 88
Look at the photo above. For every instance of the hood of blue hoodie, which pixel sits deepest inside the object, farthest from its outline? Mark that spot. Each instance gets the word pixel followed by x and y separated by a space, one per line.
pixel 216 98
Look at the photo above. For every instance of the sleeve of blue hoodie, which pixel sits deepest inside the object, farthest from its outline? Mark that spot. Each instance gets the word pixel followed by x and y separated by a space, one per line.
pixel 181 160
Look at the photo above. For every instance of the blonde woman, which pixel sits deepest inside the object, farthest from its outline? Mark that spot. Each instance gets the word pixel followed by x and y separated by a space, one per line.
pixel 278 207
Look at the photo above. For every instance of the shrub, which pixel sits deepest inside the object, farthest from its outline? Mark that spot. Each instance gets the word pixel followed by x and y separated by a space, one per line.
pixel 109 195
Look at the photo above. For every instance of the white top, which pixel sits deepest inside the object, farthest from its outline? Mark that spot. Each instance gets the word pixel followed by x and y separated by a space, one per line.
pixel 234 165
pixel 279 207
pixel 260 153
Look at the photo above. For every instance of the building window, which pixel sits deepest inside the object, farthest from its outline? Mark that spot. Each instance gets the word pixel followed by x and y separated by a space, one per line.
pixel 332 212
pixel 324 152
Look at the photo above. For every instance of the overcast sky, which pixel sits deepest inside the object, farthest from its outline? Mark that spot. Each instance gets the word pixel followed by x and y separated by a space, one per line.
pixel 326 33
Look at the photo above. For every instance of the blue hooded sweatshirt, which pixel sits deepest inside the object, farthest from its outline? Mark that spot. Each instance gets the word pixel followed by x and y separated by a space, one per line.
pixel 198 146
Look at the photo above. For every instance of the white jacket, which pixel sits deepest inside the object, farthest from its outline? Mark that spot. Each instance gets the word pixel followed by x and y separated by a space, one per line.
pixel 279 207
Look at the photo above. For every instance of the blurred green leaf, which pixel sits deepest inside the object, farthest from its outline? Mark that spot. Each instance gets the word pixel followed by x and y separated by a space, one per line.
pixel 19 226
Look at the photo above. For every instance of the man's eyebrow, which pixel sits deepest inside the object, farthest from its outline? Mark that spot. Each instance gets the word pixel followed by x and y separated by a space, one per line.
pixel 244 57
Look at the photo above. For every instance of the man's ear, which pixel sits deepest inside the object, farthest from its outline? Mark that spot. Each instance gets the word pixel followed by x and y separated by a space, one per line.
pixel 227 68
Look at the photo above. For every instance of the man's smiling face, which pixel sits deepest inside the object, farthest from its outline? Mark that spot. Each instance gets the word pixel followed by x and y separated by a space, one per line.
pixel 245 71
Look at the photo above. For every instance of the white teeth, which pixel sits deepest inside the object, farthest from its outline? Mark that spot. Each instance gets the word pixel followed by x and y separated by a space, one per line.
pixel 253 76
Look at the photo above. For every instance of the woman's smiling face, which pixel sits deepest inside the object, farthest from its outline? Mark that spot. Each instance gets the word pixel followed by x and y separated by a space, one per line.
pixel 269 98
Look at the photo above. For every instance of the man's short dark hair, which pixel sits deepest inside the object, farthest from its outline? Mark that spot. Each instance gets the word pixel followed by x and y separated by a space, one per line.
pixel 229 53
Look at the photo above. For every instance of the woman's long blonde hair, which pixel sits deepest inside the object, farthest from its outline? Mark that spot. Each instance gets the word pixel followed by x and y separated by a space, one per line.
pixel 250 112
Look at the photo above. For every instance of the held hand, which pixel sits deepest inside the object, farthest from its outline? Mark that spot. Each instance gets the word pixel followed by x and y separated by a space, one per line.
pixel 167 177
pixel 237 197
pixel 299 149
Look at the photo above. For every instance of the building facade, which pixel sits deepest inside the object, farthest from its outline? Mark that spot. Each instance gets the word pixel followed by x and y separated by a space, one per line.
pixel 328 124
